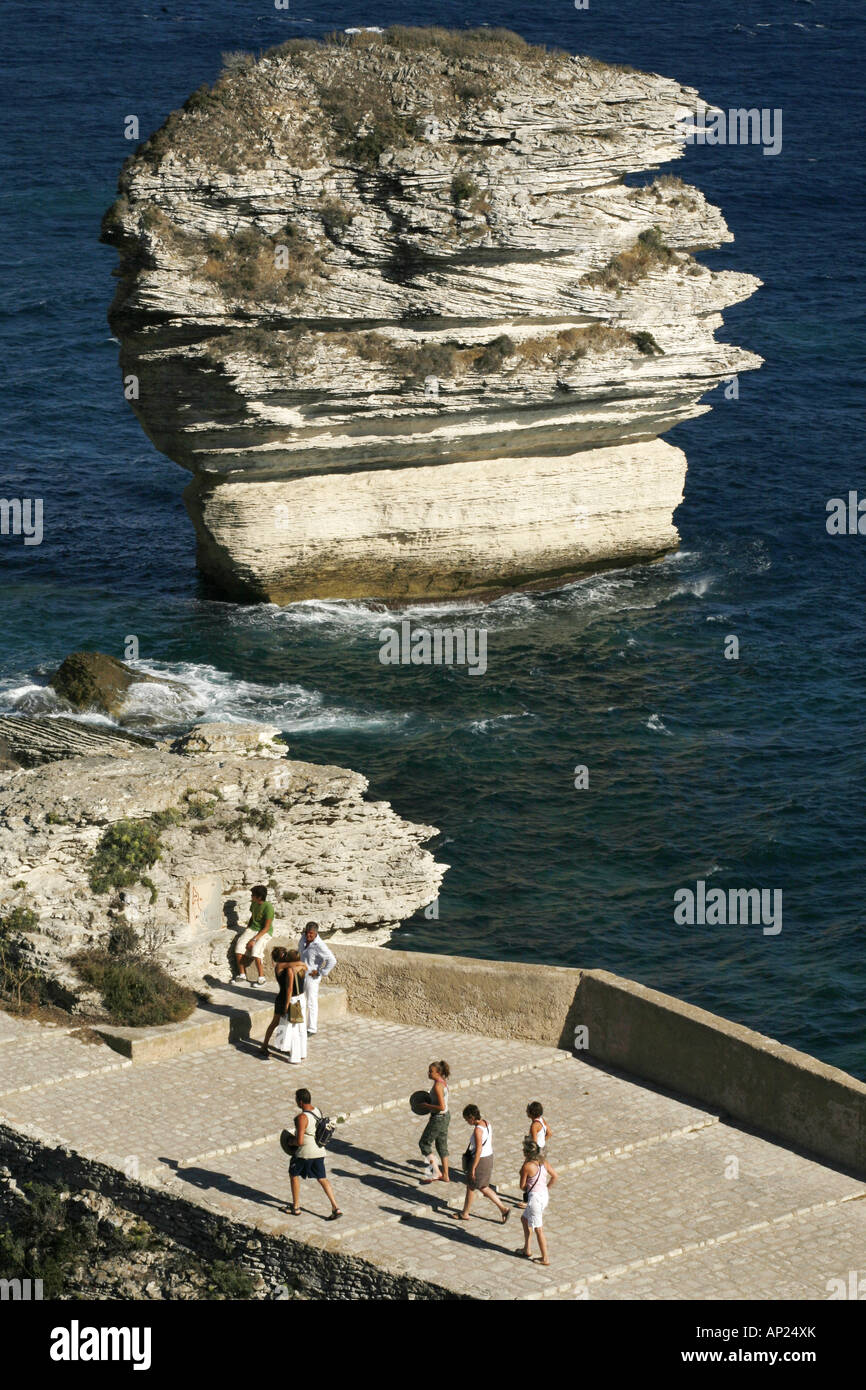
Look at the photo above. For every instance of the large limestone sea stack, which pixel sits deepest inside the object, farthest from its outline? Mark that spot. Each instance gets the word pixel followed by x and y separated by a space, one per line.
pixel 391 302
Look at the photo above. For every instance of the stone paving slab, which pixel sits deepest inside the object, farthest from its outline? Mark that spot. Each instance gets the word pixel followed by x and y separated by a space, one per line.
pixel 39 1057
pixel 199 1104
pixel 635 1206
pixel 647 1205
pixel 590 1109
pixel 12 1027
pixel 613 1209
pixel 795 1258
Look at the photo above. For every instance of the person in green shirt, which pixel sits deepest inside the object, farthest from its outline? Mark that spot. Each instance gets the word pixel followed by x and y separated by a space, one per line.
pixel 252 942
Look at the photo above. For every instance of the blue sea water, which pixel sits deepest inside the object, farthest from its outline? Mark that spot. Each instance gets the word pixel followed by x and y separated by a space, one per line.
pixel 744 773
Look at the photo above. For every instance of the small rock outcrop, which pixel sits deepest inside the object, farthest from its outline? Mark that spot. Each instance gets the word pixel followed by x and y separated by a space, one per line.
pixel 94 681
pixel 391 302
pixel 200 826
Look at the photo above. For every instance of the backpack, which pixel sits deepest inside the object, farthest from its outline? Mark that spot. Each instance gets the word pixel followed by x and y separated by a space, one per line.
pixel 325 1127
pixel 323 1135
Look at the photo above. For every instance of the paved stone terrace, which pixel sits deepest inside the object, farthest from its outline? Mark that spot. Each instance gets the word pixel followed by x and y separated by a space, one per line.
pixel 644 1208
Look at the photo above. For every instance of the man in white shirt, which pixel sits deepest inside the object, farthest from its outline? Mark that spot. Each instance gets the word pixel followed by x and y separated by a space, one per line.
pixel 320 961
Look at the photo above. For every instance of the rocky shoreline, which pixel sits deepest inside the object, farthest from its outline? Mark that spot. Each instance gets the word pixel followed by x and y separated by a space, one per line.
pixel 102 833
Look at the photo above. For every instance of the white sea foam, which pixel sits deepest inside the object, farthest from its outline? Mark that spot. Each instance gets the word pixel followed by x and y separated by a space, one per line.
pixel 656 724
pixel 203 694
pixel 211 695
pixel 496 721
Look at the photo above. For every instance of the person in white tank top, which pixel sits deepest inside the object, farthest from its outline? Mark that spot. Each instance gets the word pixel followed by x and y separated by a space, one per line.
pixel 478 1165
pixel 434 1140
pixel 539 1129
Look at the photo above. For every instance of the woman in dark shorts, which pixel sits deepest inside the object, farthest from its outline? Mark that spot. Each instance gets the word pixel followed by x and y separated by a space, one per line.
pixel 308 1160
pixel 478 1165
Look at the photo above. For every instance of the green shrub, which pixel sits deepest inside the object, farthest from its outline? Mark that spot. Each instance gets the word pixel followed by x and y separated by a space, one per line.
pixel 245 265
pixel 172 815
pixel 337 217
pixel 125 850
pixel 58 1239
pixel 646 343
pixel 653 241
pixel 250 817
pixel 123 940
pixel 494 355
pixel 364 119
pixel 136 992
pixel 22 985
pixel 41 1245
pixel 226 1281
pixel 463 188
pixel 141 1236
pixel 630 265
pixel 19 919
pixel 237 61
pixel 287 349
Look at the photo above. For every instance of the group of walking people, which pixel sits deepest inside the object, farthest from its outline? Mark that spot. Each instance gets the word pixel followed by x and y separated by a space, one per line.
pixel 298 975
pixel 536 1175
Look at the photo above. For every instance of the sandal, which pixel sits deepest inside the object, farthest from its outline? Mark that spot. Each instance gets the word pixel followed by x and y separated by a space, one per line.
pixel 335 1215
pixel 505 1215
pixel 291 1211
pixel 458 1216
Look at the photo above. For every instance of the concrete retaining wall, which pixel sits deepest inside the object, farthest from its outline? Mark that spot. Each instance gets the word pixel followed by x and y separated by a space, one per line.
pixel 753 1079
pixel 499 999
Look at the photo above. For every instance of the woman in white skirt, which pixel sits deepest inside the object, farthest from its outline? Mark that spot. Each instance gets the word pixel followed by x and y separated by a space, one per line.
pixel 536 1177
pixel 289 1036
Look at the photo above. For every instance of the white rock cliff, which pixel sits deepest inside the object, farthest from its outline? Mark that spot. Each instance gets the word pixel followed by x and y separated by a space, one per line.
pixel 391 302
pixel 232 810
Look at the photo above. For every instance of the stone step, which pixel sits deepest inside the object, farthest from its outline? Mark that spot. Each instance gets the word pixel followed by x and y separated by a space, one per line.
pixel 233 1013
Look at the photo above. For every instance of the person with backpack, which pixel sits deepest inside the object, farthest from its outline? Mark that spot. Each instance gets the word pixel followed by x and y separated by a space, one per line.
pixel 478 1165
pixel 536 1177
pixel 308 1156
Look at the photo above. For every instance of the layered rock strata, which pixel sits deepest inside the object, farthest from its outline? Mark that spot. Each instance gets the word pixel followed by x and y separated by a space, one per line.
pixel 232 809
pixel 26 742
pixel 391 302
